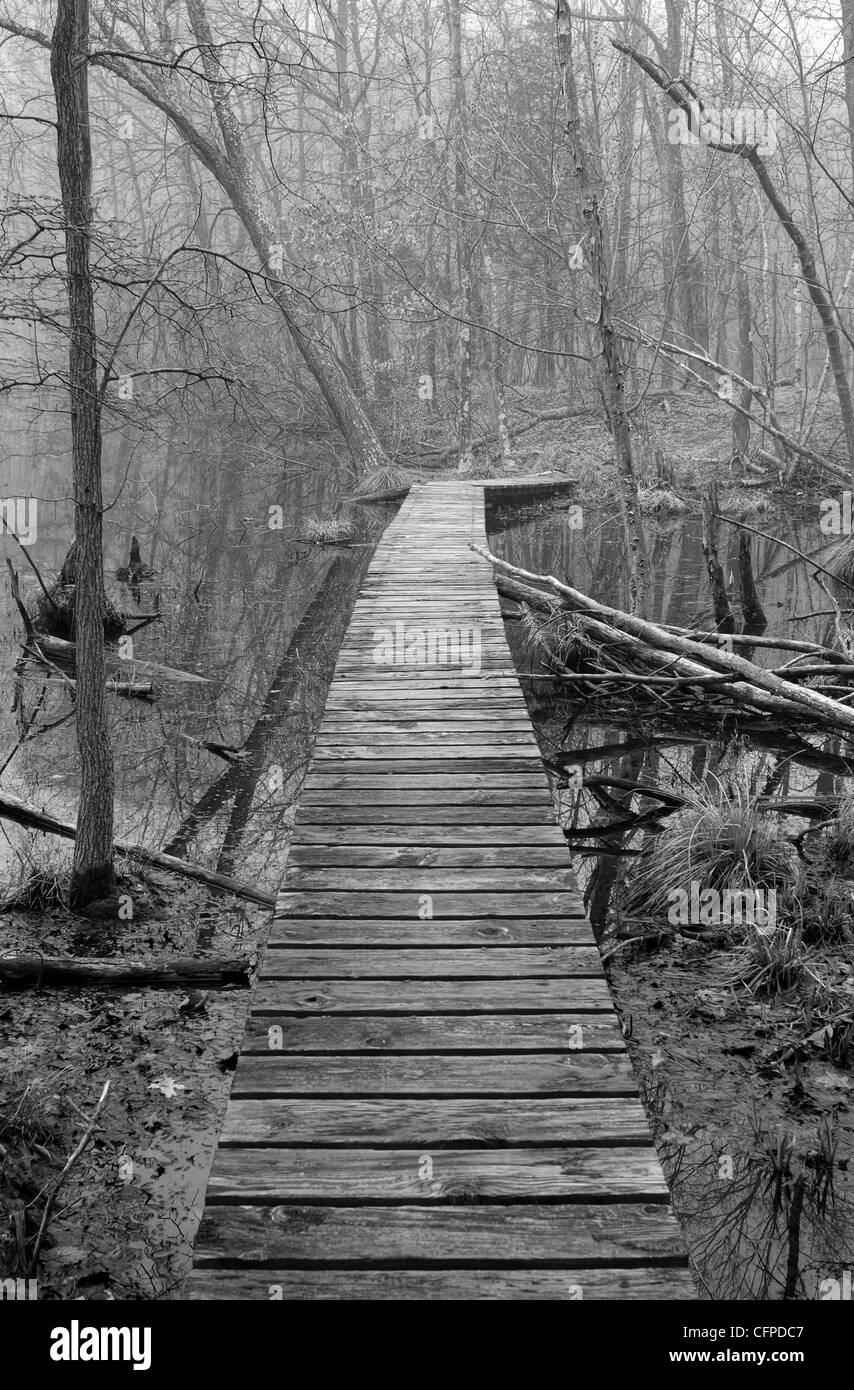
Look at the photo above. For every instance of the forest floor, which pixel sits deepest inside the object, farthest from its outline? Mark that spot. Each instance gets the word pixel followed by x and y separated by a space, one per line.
pixel 742 1104
pixel 125 1218
pixel 691 429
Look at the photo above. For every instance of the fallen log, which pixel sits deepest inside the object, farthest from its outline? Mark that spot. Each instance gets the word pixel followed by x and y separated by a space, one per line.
pixel 14 809
pixel 744 639
pixel 387 494
pixel 32 968
pixel 55 652
pixel 58 652
pixel 627 678
pixel 757 687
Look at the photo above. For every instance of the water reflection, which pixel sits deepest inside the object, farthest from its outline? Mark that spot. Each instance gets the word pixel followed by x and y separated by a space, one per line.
pixel 232 595
pixel 752 1123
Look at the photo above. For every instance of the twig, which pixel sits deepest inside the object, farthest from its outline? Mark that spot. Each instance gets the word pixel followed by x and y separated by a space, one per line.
pixel 32 564
pixel 60 1178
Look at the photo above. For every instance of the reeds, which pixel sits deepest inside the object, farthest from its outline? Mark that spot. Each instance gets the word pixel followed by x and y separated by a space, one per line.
pixel 719 839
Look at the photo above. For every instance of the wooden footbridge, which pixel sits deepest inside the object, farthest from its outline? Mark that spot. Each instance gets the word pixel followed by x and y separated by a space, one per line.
pixel 433 1099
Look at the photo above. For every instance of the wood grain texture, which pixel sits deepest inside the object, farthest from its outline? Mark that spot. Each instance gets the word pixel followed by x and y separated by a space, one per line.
pixel 443 1285
pixel 437 1175
pixel 430 963
pixel 518 1073
pixel 412 931
pixel 431 996
pixel 420 1032
pixel 528 1234
pixel 464 1123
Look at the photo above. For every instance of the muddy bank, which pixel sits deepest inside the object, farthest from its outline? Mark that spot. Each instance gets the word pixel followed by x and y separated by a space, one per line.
pixel 125 1218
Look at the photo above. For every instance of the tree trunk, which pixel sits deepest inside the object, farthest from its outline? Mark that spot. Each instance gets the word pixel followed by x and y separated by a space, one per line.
pixel 611 372
pixel 847 8
pixel 463 244
pixel 724 620
pixel 92 873
pixel 496 366
pixel 25 971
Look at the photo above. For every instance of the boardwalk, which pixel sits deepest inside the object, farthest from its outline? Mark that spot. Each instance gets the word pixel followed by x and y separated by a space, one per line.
pixel 433 1099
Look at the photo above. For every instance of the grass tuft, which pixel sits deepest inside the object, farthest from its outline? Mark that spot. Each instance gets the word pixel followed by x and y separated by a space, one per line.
pixel 719 839
pixel 660 501
pixel 381 480
pixel 329 530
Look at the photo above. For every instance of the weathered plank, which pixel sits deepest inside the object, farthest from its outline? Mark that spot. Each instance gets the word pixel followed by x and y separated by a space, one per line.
pixel 527 1074
pixel 434 879
pixel 389 904
pixel 410 856
pixel 487 1123
pixel 479 1032
pixel 470 1285
pixel 429 834
pixel 432 996
pixel 412 931
pixel 432 962
pixel 355 812
pixel 529 1234
pixel 442 1175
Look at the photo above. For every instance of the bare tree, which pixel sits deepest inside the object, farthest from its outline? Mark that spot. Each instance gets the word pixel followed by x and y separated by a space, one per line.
pixel 683 96
pixel 611 370
pixel 92 872
pixel 216 140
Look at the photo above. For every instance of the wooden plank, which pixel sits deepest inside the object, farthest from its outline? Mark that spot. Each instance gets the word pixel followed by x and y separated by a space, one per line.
pixel 432 997
pixel 438 734
pixel 356 812
pixel 518 1073
pixel 507 765
pixel 328 777
pixel 412 931
pixel 436 1033
pixel 454 1285
pixel 425 749
pixel 455 1175
pixel 411 856
pixel 593 1120
pixel 435 834
pixel 465 712
pixel 368 904
pixel 559 1235
pixel 430 962
pixel 463 725
pixel 434 879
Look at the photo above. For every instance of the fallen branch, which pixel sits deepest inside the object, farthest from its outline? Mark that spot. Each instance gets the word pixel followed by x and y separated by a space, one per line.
pixel 33 969
pixel 12 808
pixel 757 687
pixel 388 494
pixel 60 1177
